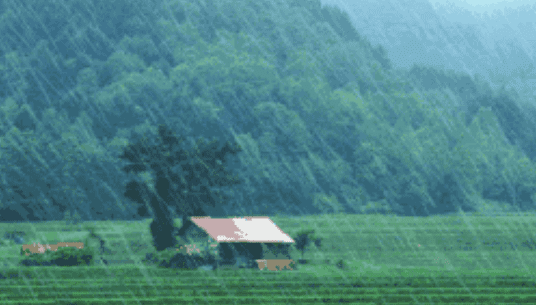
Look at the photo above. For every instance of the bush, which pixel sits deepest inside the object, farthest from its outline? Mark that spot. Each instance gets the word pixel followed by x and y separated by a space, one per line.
pixel 67 217
pixel 72 220
pixel 15 236
pixel 278 250
pixel 102 244
pixel 76 218
pixel 8 275
pixel 341 264
pixel 318 243
pixel 242 261
pixel 6 242
pixel 163 234
pixel 293 265
pixel 182 261
pixel 171 258
pixel 14 274
pixel 150 259
pixel 304 238
pixel 63 256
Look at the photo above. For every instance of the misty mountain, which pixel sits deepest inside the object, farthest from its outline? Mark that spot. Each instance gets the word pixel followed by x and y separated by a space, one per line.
pixel 498 45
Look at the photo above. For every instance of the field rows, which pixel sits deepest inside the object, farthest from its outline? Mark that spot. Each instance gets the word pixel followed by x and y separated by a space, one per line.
pixel 432 297
pixel 177 290
pixel 153 276
pixel 205 288
pixel 447 284
pixel 410 261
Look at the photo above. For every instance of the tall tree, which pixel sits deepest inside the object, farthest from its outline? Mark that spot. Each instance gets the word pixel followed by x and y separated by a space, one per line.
pixel 183 179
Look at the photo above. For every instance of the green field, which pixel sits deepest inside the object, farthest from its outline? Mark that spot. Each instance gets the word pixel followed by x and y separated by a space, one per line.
pixel 390 260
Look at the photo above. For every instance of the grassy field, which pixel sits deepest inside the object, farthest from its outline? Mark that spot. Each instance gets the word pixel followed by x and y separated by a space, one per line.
pixel 429 260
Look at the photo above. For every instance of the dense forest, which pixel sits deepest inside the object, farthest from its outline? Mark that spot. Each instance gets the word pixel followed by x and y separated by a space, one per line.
pixel 325 124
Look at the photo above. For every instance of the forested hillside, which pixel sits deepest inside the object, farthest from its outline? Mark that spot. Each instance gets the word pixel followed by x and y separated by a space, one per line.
pixel 494 40
pixel 324 122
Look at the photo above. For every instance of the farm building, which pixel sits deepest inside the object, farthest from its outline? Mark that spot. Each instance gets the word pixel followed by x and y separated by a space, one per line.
pixel 241 241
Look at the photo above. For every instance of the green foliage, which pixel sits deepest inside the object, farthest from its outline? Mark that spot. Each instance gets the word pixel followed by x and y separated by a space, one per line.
pixel 76 217
pixel 278 250
pixel 67 217
pixel 433 78
pixel 492 168
pixel 14 62
pixel 318 242
pixel 95 237
pixel 63 256
pixel 142 46
pixel 118 65
pixel 340 22
pixel 87 83
pixel 171 258
pixel 69 220
pixel 327 204
pixel 304 239
pixel 289 129
pixel 206 162
pixel 319 113
pixel 341 264
pixel 11 237
pixel 376 207
pixel 204 166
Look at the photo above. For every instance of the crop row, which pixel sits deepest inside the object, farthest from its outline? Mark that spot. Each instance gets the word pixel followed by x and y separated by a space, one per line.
pixel 200 281
pixel 290 299
pixel 154 291
pixel 85 272
pixel 447 283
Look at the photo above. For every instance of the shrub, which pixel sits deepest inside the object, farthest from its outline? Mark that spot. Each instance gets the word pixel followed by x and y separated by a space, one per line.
pixel 137 246
pixel 14 274
pixel 278 250
pixel 67 217
pixel 102 243
pixel 63 256
pixel 76 218
pixel 71 221
pixel 318 242
pixel 163 233
pixel 150 259
pixel 182 261
pixel 15 236
pixel 171 258
pixel 8 275
pixel 341 264
pixel 304 238
pixel 242 261
pixel 6 242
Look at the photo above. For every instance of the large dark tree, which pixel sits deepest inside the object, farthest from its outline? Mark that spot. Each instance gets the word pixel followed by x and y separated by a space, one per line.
pixel 184 179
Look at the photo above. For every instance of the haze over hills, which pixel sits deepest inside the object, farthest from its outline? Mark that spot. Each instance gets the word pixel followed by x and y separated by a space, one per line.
pixel 496 40
pixel 484 6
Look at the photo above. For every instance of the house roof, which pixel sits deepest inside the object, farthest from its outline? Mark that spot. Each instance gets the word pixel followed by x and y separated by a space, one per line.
pixel 248 229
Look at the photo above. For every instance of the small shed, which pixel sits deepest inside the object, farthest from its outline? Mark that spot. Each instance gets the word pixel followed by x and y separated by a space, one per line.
pixel 244 240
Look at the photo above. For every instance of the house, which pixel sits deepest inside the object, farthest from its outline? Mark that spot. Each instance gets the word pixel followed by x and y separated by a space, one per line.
pixel 241 242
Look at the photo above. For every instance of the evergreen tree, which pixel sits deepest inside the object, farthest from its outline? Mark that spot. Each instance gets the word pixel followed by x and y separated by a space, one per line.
pixel 184 180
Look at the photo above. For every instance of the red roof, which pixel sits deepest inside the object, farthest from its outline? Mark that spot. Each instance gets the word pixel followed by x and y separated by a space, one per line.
pixel 245 229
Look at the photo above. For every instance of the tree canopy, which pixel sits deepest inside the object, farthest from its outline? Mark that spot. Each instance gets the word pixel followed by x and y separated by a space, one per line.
pixel 184 179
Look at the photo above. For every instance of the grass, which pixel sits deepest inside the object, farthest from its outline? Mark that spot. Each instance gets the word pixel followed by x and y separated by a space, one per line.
pixel 389 260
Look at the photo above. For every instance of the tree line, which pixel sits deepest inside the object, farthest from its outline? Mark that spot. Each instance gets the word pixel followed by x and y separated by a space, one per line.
pixel 325 124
